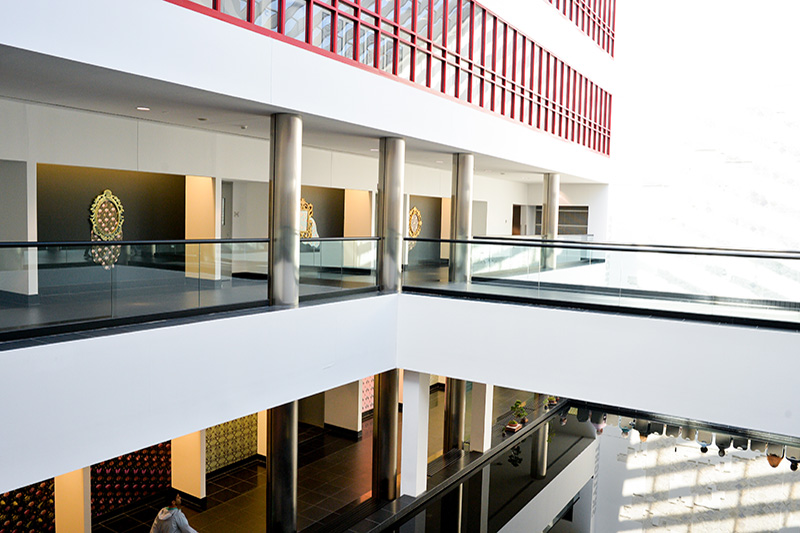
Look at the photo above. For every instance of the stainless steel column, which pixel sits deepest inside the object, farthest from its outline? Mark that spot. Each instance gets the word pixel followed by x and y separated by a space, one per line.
pixel 390 213
pixel 455 414
pixel 284 291
pixel 461 217
pixel 282 469
pixel 539 452
pixel 384 435
pixel 552 186
pixel 284 210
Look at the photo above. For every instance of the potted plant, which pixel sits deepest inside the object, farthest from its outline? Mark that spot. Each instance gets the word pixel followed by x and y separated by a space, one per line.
pixel 519 412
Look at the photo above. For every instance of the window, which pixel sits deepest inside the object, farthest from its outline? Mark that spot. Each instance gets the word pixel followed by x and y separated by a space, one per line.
pixel 321 36
pixel 465 49
pixel 265 14
pixel 404 61
pixel 295 24
pixel 366 46
pixel 423 18
pixel 345 43
pixel 235 8
pixel 387 54
pixel 421 68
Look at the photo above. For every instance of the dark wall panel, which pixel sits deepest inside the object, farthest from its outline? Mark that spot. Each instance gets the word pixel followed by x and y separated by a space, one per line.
pixel 431 211
pixel 155 204
pixel 328 209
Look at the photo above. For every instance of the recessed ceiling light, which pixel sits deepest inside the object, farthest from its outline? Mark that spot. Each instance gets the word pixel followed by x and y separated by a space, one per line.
pixel 373 149
pixel 438 161
pixel 142 108
pixel 202 119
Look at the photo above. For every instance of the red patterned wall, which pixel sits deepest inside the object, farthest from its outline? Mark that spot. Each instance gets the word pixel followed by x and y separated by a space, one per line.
pixel 30 509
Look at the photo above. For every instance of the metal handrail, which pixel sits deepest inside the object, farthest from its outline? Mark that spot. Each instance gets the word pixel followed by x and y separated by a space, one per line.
pixel 67 244
pixel 572 245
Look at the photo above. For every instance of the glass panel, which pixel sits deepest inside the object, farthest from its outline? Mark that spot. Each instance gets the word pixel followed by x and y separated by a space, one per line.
pixel 463 85
pixel 452 25
pixel 510 46
pixel 346 37
pixel 207 3
pixel 366 17
pixel 404 61
pixel 421 68
pixel 465 18
pixel 498 98
pixel 266 14
pixel 422 18
pixel 295 24
pixel 406 13
pixel 387 27
pixel 436 74
pixel 387 54
pixel 408 36
pixel 366 46
pixel 329 267
pixel 477 36
pixel 438 21
pixel 322 28
pixel 387 9
pixel 368 5
pixel 519 62
pixel 344 8
pixel 450 87
pixel 235 8
pixel 476 90
pixel 488 52
pixel 487 93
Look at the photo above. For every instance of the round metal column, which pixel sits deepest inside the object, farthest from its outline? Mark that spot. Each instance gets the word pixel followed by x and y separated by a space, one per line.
pixel 455 411
pixel 552 186
pixel 284 210
pixel 461 217
pixel 384 435
pixel 282 468
pixel 284 291
pixel 390 213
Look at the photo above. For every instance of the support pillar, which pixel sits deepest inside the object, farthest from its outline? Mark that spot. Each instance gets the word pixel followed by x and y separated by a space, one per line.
pixel 414 456
pixel 73 501
pixel 539 452
pixel 480 439
pixel 189 466
pixel 282 468
pixel 384 435
pixel 284 210
pixel 390 213
pixel 455 411
pixel 552 187
pixel 461 217
pixel 284 291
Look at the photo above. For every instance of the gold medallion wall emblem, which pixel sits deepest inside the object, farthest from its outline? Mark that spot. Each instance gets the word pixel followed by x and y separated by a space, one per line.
pixel 414 222
pixel 107 216
pixel 306 220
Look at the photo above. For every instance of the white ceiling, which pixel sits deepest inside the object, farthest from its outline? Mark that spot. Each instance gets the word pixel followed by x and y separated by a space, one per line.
pixel 39 78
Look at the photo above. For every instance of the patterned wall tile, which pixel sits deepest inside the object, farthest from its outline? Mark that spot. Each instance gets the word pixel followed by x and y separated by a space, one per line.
pixel 29 509
pixel 367 393
pixel 127 479
pixel 231 442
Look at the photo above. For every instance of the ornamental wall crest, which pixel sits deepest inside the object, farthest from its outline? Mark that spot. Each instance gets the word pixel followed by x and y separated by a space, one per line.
pixel 107 216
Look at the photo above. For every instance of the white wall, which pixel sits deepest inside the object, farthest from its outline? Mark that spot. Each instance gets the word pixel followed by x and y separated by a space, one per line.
pixel 695 370
pixel 195 50
pixel 501 196
pixel 63 136
pixel 107 396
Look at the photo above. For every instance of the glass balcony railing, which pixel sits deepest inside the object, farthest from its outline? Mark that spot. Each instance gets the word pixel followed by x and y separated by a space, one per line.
pixel 89 284
pixel 739 285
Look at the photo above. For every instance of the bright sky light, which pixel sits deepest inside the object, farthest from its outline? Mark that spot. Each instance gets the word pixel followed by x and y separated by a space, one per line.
pixel 706 123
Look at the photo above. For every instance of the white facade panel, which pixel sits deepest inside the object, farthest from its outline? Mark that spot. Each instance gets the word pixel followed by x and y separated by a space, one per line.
pixel 106 396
